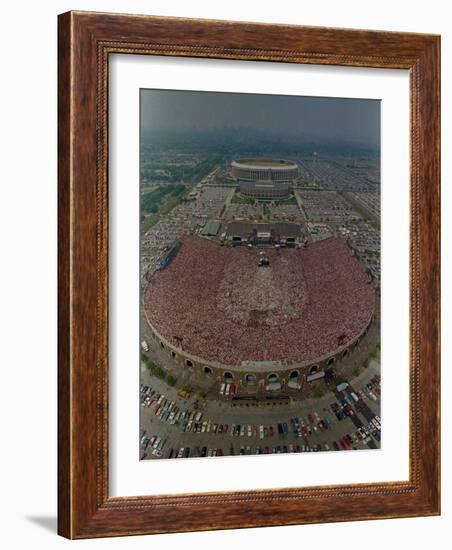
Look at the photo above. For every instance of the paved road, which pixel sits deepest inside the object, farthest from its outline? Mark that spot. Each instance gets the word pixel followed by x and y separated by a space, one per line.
pixel 228 200
pixel 300 205
pixel 222 413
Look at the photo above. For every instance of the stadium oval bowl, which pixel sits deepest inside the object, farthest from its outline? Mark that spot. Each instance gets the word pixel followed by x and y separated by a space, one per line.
pixel 264 169
pixel 217 313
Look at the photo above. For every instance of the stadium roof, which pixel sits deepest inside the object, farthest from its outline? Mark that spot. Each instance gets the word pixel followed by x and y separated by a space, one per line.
pixel 211 228
pixel 264 163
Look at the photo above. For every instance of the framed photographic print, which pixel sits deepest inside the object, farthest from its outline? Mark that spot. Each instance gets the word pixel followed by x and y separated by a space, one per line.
pixel 248 275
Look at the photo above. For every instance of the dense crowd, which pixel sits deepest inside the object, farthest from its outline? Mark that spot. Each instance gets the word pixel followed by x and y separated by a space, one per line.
pixel 215 302
pixel 270 296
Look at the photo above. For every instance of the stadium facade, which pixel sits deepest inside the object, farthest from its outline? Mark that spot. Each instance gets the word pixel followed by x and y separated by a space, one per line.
pixel 269 328
pixel 264 179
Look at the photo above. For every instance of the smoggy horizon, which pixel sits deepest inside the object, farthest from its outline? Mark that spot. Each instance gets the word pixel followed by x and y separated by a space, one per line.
pixel 279 117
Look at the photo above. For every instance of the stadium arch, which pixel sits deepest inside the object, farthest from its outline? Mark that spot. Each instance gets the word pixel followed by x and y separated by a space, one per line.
pixel 250 379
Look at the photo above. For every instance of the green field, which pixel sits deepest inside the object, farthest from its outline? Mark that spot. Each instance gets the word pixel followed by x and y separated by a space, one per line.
pixel 150 202
pixel 159 202
pixel 188 173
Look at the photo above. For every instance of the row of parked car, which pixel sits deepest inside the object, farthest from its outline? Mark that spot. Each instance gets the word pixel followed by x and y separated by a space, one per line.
pixel 343 408
pixel 191 421
pixel 301 427
pixel 372 428
pixel 313 424
pixel 279 449
pixel 361 435
pixel 249 430
pixel 153 444
pixel 184 452
pixel 211 452
pixel 227 390
pixel 166 409
pixel 372 389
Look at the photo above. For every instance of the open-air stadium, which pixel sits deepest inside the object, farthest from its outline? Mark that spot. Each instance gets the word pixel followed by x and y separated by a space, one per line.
pixel 220 311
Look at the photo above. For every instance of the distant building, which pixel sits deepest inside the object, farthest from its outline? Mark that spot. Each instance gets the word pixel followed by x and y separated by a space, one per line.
pixel 264 179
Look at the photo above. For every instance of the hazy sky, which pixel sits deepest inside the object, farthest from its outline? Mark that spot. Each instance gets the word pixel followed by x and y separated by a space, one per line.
pixel 356 120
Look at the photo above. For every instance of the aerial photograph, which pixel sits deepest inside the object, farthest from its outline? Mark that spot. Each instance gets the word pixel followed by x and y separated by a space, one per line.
pixel 259 274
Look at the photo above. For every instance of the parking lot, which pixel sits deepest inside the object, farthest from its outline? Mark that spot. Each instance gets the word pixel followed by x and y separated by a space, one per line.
pixel 175 427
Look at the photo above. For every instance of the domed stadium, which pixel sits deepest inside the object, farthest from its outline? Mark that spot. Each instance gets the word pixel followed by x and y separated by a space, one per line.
pixel 264 179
